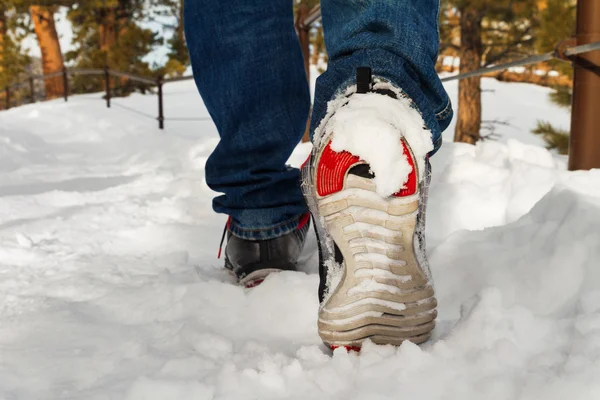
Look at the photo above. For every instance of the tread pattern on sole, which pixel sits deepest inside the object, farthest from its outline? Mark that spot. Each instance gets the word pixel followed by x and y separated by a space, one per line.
pixel 383 294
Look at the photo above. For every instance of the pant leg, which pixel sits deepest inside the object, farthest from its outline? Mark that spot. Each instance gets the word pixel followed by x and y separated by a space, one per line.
pixel 399 40
pixel 249 69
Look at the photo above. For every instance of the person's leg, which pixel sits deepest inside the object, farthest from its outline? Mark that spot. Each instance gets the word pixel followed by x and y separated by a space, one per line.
pixel 248 67
pixel 398 40
pixel 379 112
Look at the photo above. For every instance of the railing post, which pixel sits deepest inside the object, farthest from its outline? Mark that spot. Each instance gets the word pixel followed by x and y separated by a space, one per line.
pixel 65 84
pixel 107 85
pixel 161 116
pixel 32 88
pixel 584 148
pixel 8 97
pixel 304 37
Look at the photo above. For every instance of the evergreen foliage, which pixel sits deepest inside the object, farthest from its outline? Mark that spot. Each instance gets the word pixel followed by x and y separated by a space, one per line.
pixel 13 61
pixel 107 33
pixel 556 139
pixel 508 27
pixel 562 96
pixel 557 23
pixel 317 40
pixel 178 58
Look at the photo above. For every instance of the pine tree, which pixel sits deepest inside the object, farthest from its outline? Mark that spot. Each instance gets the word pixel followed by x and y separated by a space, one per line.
pixel 318 52
pixel 557 22
pixel 108 34
pixel 12 58
pixel 449 25
pixel 556 139
pixel 3 38
pixel 562 96
pixel 469 90
pixel 491 31
pixel 52 57
pixel 178 58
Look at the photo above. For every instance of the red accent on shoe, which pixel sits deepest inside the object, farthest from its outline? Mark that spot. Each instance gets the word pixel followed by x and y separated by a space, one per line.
pixel 303 220
pixel 254 283
pixel 411 184
pixel 332 170
pixel 348 348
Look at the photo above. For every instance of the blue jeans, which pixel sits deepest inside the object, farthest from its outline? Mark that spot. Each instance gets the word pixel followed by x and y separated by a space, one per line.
pixel 248 67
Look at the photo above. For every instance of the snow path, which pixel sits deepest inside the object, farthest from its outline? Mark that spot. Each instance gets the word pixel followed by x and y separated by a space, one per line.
pixel 110 288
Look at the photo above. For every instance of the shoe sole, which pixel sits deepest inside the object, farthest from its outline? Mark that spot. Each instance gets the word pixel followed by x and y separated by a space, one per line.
pixel 253 279
pixel 257 277
pixel 383 294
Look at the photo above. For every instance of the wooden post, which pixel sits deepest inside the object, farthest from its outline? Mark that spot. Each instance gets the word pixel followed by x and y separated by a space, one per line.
pixel 303 35
pixel 32 88
pixel 107 85
pixel 8 97
pixel 584 149
pixel 65 84
pixel 161 116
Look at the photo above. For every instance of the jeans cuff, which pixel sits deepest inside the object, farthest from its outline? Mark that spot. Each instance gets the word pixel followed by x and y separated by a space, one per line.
pixel 278 230
pixel 423 88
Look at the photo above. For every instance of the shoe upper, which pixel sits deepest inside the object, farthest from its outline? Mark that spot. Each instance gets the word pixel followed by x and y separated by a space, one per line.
pixel 245 257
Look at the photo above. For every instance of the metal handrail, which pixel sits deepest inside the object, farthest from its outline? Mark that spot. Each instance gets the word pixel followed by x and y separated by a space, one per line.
pixel 157 82
pixel 313 16
pixel 133 77
pixel 179 79
pixel 85 71
pixel 525 61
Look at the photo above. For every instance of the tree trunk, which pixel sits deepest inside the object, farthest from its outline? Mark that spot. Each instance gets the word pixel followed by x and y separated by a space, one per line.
pixel 317 46
pixel 2 36
pixel 108 30
pixel 469 90
pixel 52 59
pixel 180 26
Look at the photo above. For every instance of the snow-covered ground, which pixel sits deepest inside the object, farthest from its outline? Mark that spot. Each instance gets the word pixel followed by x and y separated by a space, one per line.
pixel 110 287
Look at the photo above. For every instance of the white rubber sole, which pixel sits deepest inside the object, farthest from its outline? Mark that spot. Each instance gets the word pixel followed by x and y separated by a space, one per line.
pixel 381 293
pixel 255 278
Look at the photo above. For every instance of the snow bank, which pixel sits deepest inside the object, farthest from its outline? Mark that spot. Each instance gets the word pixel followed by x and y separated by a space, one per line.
pixel 109 286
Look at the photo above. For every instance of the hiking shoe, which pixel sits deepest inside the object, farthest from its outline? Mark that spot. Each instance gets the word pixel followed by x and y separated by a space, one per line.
pixel 252 260
pixel 375 280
